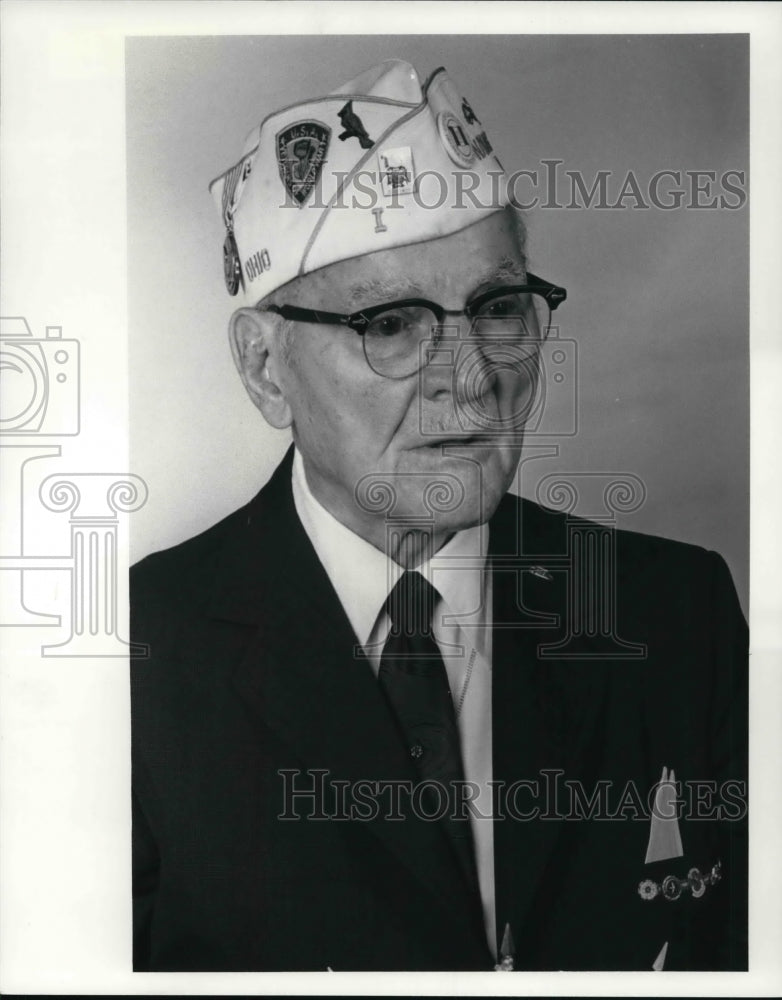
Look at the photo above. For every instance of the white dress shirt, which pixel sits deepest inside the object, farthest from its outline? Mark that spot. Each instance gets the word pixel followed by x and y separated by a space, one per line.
pixel 363 577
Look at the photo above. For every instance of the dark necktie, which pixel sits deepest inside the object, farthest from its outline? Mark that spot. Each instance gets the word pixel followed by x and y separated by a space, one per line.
pixel 413 678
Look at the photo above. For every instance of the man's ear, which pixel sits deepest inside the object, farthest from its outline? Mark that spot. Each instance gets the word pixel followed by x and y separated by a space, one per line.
pixel 254 346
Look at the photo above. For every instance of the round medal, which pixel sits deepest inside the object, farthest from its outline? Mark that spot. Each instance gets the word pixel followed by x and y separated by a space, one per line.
pixel 232 270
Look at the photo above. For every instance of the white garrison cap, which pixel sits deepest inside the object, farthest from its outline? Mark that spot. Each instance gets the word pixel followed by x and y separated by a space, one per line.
pixel 380 162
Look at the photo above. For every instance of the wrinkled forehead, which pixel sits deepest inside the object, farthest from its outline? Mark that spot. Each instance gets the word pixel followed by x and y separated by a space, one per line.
pixel 490 252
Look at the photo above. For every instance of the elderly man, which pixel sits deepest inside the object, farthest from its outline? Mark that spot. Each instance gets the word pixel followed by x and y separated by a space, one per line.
pixel 392 717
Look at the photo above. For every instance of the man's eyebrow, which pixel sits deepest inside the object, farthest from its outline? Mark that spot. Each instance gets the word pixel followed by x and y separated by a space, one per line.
pixel 508 269
pixel 378 290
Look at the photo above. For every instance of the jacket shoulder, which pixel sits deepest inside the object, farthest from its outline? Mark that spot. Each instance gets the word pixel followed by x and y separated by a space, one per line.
pixel 180 584
pixel 544 528
pixel 657 569
pixel 543 525
pixel 186 564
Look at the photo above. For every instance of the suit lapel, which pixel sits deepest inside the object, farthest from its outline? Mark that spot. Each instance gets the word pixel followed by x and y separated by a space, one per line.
pixel 300 675
pixel 544 711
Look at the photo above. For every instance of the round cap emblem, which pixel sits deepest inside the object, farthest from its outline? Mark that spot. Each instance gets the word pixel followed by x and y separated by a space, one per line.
pixel 454 137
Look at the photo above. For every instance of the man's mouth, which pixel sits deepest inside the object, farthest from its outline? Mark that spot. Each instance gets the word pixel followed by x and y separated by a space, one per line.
pixel 463 440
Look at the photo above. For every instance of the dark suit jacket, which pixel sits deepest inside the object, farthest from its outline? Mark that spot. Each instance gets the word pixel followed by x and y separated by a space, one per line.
pixel 251 671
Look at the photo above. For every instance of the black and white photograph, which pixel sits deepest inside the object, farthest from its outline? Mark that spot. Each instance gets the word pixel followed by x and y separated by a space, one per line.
pixel 384 476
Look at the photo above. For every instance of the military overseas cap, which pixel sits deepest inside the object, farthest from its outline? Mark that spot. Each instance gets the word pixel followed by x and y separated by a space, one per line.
pixel 380 162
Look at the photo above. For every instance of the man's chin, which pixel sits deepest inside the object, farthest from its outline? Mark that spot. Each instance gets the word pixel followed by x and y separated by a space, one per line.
pixel 455 495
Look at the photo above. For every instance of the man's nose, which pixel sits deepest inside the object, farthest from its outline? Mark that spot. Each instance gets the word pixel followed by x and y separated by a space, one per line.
pixel 456 363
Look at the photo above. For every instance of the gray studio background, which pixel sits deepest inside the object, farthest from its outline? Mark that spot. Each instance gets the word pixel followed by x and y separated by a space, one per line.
pixel 658 300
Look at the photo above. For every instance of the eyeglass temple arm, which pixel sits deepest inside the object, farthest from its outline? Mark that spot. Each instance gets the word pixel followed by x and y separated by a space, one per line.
pixel 555 295
pixel 308 315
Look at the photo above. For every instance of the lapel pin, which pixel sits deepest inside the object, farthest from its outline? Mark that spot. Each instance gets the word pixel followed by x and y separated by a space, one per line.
pixel 648 889
pixel 540 571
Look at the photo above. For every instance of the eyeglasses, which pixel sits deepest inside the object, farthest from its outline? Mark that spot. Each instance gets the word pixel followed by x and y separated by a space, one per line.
pixel 398 337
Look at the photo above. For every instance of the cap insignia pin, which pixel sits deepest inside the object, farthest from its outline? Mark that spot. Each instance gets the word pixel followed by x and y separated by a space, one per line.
pixel 354 127
pixel 469 115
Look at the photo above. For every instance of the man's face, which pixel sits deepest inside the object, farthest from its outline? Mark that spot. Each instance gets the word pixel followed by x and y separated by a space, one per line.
pixel 366 439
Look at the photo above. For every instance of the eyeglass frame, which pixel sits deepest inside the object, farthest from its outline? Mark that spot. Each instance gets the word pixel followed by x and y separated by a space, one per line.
pixel 359 321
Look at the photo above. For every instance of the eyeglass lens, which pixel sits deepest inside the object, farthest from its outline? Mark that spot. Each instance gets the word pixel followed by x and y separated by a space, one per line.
pixel 397 342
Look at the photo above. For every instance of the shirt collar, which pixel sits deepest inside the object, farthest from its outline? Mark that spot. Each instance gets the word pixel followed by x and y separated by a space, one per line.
pixel 363 576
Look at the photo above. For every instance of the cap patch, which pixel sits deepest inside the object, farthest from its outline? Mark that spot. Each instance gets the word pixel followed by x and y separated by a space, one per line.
pixel 396 170
pixel 301 153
